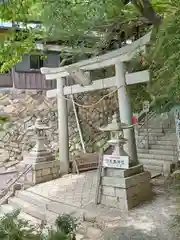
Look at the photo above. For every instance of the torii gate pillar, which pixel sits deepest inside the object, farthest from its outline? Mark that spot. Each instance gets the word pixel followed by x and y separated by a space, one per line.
pixel 63 128
pixel 125 111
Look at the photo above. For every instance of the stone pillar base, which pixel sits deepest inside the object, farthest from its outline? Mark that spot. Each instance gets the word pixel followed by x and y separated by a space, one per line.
pixel 45 171
pixel 125 188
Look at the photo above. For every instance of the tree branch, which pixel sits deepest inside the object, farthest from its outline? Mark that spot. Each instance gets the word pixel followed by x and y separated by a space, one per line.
pixel 147 11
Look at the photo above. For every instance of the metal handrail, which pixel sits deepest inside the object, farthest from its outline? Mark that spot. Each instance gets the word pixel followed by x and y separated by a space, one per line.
pixel 143 123
pixel 146 135
pixel 148 118
pixel 143 112
pixel 4 191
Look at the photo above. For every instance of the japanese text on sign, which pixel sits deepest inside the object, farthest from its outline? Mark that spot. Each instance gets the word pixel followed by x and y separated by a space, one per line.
pixel 113 161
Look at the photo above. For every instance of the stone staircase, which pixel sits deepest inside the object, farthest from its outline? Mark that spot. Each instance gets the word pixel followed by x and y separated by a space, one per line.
pixel 39 210
pixel 160 156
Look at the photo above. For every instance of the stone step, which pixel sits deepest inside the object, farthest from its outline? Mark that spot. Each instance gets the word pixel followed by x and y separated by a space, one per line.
pixel 152 130
pixel 42 202
pixel 151 138
pixel 154 174
pixel 144 133
pixel 168 138
pixel 153 162
pixel 157 167
pixel 29 218
pixel 161 152
pixel 143 144
pixel 157 157
pixel 38 212
pixel 162 147
pixel 166 142
pixel 142 150
pixel 33 198
pixel 60 208
pixel 157 173
pixel 153 168
pixel 7 208
pixel 28 208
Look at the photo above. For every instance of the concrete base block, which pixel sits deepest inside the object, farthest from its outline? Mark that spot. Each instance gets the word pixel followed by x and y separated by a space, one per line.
pixel 123 173
pixel 126 182
pixel 126 192
pixel 45 171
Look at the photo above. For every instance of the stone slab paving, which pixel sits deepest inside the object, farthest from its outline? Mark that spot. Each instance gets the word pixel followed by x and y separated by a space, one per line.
pixel 73 189
pixel 148 221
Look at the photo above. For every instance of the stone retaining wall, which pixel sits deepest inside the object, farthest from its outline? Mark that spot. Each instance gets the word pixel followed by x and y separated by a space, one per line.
pixel 25 106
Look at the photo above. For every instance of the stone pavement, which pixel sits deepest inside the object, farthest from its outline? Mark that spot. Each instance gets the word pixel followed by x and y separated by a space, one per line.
pixel 148 221
pixel 72 189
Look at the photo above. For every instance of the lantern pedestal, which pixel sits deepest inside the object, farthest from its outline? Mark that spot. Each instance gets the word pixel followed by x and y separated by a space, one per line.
pixel 125 188
pixel 42 159
pixel 45 171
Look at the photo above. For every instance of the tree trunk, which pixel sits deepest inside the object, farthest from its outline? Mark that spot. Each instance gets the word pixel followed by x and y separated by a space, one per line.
pixel 147 11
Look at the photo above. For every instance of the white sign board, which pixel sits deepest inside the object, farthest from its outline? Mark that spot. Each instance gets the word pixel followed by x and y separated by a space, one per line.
pixel 114 161
pixel 146 106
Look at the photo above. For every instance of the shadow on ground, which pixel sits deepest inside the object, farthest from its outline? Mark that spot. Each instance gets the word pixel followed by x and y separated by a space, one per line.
pixel 130 233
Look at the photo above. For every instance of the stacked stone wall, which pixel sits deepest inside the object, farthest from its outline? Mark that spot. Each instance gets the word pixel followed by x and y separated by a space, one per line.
pixel 24 107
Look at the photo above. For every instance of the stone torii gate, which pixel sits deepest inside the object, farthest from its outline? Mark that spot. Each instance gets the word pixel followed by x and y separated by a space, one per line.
pixel 120 80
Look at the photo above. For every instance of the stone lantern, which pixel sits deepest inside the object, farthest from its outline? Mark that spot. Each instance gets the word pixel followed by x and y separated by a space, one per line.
pixel 44 165
pixel 123 185
pixel 117 139
pixel 40 152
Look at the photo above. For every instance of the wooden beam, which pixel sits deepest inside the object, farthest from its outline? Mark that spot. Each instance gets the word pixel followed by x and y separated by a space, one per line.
pixel 123 54
pixel 131 78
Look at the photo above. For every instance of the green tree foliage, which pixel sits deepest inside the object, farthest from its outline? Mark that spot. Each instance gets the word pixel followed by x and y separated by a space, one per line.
pixel 87 21
pixel 14 228
pixel 164 58
pixel 14 43
pixel 94 24
pixel 68 225
pixel 74 22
